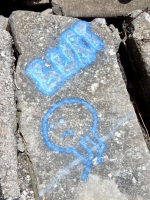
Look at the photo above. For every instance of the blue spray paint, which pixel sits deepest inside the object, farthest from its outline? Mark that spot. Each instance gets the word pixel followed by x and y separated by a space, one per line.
pixel 66 170
pixel 98 145
pixel 68 132
pixel 51 127
pixel 76 50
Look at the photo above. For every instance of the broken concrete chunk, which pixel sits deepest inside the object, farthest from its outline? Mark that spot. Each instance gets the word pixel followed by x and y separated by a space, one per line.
pixel 100 20
pixel 96 8
pixel 20 145
pixel 116 36
pixel 139 46
pixel 47 11
pixel 3 22
pixel 80 129
pixel 8 125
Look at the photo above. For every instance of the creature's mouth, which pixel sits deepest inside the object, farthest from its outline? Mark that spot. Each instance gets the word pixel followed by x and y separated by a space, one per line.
pixel 68 132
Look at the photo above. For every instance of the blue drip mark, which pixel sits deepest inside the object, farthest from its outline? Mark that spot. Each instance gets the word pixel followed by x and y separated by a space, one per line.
pixel 68 132
pixel 99 145
pixel 76 50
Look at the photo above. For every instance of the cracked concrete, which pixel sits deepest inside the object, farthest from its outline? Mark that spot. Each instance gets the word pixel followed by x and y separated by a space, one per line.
pixel 8 123
pixel 125 168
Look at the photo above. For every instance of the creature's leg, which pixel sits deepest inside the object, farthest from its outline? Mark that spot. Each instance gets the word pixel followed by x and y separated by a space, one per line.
pixel 100 146
pixel 100 149
pixel 88 163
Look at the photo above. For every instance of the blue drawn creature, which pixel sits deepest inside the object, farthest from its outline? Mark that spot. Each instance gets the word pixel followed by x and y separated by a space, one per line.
pixel 92 138
pixel 75 50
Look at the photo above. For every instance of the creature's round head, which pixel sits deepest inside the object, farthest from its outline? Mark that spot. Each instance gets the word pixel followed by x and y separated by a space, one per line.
pixel 66 122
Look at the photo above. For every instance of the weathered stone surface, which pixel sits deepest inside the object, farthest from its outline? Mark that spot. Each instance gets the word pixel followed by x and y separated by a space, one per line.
pixel 96 8
pixel 3 22
pixel 115 35
pixel 8 125
pixel 69 116
pixel 138 44
pixel 47 11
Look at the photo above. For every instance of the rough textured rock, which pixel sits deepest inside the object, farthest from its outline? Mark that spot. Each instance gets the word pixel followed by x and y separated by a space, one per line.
pixel 47 11
pixel 116 36
pixel 8 125
pixel 96 8
pixel 3 22
pixel 81 132
pixel 100 20
pixel 138 44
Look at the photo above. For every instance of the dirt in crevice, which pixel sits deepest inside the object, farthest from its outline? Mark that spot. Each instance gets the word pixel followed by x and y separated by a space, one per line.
pixel 135 89
pixel 26 176
pixel 1 194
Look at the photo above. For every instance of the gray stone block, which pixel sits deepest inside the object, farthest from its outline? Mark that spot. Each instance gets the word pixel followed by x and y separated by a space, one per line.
pixel 3 22
pixel 8 124
pixel 139 45
pixel 96 8
pixel 80 128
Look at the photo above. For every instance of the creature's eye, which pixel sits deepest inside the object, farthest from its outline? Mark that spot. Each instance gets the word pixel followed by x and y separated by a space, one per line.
pixel 61 121
pixel 51 127
pixel 68 132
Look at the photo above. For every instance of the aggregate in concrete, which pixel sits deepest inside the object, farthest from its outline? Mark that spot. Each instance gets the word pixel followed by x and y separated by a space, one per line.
pixel 80 128
pixel 8 124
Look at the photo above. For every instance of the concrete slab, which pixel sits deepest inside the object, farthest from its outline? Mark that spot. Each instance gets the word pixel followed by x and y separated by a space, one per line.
pixel 81 132
pixel 8 124
pixel 96 8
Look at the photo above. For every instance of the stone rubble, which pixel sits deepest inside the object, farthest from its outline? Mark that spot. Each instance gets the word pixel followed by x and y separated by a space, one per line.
pixel 8 123
pixel 77 135
pixel 116 36
pixel 122 170
pixel 97 8
pixel 47 11
pixel 139 44
pixel 3 22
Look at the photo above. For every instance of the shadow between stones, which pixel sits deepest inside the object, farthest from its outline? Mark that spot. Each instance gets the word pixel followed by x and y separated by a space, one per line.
pixel 124 1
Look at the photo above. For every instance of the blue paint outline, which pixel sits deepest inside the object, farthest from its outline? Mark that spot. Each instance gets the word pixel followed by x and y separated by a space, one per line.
pixel 100 146
pixel 67 58
pixel 63 172
pixel 44 70
pixel 68 132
